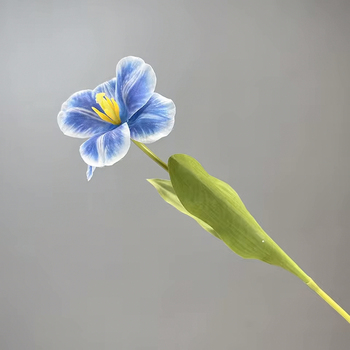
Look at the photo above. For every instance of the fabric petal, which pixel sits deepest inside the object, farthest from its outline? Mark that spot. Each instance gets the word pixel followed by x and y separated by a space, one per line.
pixel 77 119
pixel 89 172
pixel 153 121
pixel 106 149
pixel 135 85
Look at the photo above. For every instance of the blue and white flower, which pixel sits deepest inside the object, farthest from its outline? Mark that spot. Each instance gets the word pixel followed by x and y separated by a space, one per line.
pixel 123 108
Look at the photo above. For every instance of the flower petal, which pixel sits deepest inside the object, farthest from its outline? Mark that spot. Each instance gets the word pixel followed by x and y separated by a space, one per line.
pixel 135 85
pixel 108 148
pixel 77 119
pixel 89 172
pixel 107 87
pixel 153 121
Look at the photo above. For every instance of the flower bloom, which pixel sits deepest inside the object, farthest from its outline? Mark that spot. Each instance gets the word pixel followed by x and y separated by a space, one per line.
pixel 123 108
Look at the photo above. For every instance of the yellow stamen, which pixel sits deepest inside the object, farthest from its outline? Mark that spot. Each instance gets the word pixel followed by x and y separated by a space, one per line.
pixel 102 115
pixel 109 107
pixel 116 107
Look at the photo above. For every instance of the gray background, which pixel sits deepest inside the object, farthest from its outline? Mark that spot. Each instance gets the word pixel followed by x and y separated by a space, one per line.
pixel 262 95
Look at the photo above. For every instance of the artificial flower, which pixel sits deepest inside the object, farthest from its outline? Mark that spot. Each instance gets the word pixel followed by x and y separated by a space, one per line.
pixel 123 108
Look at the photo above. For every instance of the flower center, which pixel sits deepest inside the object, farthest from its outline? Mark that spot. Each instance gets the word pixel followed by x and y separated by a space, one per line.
pixel 109 107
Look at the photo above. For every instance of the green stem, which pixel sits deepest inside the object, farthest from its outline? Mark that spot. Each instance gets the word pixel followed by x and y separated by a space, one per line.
pixel 328 299
pixel 309 282
pixel 150 154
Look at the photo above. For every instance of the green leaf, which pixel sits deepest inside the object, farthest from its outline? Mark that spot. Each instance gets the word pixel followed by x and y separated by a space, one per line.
pixel 166 191
pixel 219 206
